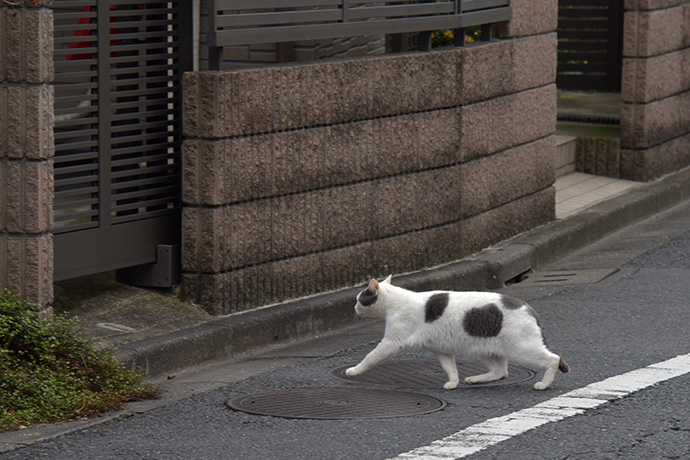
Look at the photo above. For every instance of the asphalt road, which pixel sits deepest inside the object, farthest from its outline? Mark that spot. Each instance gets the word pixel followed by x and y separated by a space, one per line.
pixel 634 318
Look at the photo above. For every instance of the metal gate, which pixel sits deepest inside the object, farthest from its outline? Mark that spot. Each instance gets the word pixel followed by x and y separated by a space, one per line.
pixel 590 45
pixel 118 68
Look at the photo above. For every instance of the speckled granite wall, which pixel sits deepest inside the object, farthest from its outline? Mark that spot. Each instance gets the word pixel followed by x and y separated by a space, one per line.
pixel 655 118
pixel 303 179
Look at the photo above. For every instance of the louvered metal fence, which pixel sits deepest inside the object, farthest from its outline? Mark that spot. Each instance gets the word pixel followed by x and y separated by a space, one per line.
pixel 118 67
pixel 242 22
pixel 590 45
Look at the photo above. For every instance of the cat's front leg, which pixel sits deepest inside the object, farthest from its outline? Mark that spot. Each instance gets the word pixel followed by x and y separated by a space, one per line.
pixel 383 350
pixel 448 364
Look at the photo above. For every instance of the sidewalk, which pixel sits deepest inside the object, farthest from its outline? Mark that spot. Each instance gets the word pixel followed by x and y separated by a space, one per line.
pixel 157 334
pixel 578 191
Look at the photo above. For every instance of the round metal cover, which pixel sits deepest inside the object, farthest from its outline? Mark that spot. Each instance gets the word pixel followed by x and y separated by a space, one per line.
pixel 428 373
pixel 336 403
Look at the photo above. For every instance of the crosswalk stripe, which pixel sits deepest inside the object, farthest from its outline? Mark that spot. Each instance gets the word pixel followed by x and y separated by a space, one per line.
pixel 490 432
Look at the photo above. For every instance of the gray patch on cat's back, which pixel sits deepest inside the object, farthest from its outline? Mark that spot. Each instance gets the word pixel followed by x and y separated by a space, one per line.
pixel 511 303
pixel 486 321
pixel 367 298
pixel 435 306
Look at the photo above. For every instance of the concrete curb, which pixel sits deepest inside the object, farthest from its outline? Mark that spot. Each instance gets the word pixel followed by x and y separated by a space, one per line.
pixel 489 269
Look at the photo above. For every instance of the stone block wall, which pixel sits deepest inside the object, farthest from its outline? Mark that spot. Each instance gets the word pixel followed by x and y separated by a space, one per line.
pixel 303 179
pixel 26 150
pixel 655 118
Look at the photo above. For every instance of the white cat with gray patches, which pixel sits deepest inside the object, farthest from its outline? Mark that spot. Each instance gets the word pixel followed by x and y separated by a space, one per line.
pixel 492 327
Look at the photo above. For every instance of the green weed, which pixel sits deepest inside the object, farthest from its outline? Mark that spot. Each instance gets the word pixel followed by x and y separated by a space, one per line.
pixel 50 372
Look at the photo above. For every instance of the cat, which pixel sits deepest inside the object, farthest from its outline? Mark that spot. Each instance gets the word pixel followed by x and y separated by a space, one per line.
pixel 492 327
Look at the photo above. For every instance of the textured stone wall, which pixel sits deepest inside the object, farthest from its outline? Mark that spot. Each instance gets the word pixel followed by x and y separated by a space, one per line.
pixel 302 179
pixel 26 150
pixel 655 119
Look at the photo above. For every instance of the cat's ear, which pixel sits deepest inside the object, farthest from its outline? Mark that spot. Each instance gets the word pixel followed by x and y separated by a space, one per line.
pixel 388 280
pixel 373 287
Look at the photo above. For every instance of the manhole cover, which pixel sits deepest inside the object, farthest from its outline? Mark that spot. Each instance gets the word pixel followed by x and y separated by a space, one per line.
pixel 428 373
pixel 566 277
pixel 336 403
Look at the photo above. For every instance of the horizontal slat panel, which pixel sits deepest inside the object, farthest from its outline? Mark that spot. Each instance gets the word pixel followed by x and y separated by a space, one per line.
pixel 62 195
pixel 149 151
pixel 160 203
pixel 145 81
pixel 567 46
pixel 577 57
pixel 588 3
pixel 283 17
pixel 76 99
pixel 76 221
pixel 263 4
pixel 68 142
pixel 88 156
pixel 76 181
pixel 392 26
pixel 132 176
pixel 148 197
pixel 73 203
pixel 142 53
pixel 568 24
pixel 136 131
pixel 172 212
pixel 271 21
pixel 393 11
pixel 76 169
pixel 64 4
pixel 144 48
pixel 72 28
pixel 143 75
pixel 473 5
pixel 74 76
pixel 591 35
pixel 584 13
pixel 585 68
pixel 147 158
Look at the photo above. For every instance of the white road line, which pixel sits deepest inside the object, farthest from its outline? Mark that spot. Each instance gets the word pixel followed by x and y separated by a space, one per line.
pixel 482 435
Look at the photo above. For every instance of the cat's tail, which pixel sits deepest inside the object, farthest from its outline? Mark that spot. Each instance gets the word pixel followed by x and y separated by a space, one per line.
pixel 563 366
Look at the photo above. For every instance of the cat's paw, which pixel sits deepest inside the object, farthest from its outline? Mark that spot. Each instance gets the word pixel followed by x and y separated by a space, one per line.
pixel 450 385
pixel 540 386
pixel 471 380
pixel 351 372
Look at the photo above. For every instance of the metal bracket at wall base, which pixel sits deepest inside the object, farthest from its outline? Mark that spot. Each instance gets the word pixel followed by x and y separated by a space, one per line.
pixel 164 273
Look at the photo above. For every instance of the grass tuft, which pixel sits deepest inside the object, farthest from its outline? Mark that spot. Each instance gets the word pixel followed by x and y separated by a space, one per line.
pixel 50 372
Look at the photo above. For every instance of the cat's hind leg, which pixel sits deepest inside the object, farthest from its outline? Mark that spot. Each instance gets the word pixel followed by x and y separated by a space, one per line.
pixel 448 364
pixel 542 358
pixel 498 370
pixel 550 371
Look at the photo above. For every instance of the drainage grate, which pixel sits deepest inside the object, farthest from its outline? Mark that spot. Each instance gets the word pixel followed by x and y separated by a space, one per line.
pixel 336 403
pixel 561 277
pixel 428 373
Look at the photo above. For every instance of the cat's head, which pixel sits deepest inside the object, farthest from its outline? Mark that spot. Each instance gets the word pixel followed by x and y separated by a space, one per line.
pixel 369 303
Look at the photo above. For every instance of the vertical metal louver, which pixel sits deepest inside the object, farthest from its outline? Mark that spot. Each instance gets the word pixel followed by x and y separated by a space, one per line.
pixel 118 67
